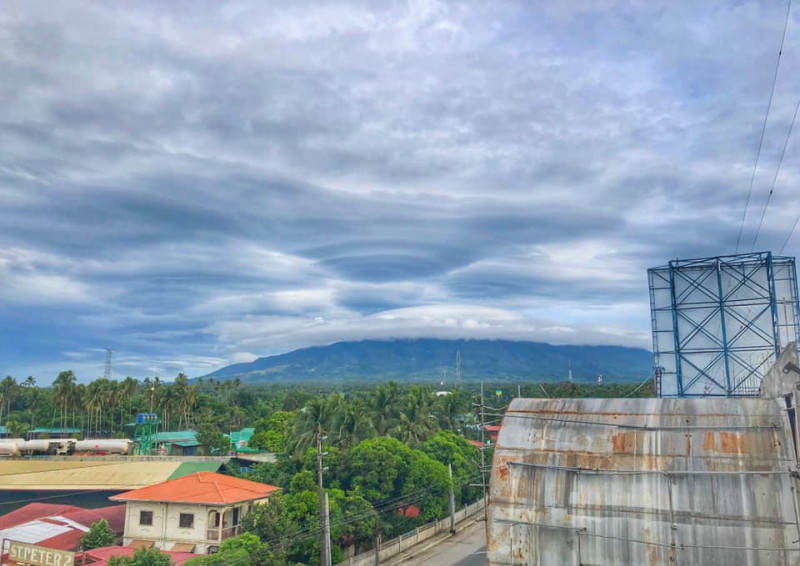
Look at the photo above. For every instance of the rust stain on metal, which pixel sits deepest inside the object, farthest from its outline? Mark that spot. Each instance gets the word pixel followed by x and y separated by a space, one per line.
pixel 653 554
pixel 540 507
pixel 732 443
pixel 624 441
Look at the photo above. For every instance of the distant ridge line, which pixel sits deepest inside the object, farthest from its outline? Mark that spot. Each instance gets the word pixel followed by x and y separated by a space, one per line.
pixel 422 359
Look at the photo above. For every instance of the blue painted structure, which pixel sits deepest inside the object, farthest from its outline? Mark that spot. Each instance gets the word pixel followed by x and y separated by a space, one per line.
pixel 720 322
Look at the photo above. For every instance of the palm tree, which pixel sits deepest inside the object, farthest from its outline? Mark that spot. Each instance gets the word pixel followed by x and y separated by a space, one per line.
pixel 96 398
pixel 167 400
pixel 63 387
pixel 450 409
pixel 383 410
pixel 312 423
pixel 8 392
pixel 352 424
pixel 417 419
pixel 128 389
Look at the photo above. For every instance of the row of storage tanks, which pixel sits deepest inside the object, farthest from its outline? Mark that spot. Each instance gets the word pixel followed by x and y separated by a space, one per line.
pixel 16 447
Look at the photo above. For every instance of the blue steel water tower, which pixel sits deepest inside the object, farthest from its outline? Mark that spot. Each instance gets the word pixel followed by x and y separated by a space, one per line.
pixel 719 323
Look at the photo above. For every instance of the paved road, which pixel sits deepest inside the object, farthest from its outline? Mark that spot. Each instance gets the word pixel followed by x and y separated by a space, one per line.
pixel 477 558
pixel 466 548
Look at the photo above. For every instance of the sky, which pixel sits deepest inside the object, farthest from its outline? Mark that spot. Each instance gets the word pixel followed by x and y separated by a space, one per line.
pixel 197 183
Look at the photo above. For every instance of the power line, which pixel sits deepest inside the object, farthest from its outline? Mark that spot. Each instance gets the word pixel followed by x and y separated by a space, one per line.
pixel 789 237
pixel 777 171
pixel 764 126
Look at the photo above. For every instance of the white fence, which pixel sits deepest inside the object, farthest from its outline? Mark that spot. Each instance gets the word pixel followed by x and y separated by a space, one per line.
pixel 395 546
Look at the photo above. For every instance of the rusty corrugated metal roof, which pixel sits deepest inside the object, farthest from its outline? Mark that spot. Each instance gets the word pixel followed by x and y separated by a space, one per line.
pixel 644 482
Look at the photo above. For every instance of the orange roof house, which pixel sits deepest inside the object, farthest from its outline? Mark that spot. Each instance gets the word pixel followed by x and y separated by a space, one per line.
pixel 201 487
pixel 194 513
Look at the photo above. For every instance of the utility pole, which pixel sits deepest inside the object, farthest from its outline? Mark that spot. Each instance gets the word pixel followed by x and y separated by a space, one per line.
pixel 452 501
pixel 483 459
pixel 324 539
pixel 327 533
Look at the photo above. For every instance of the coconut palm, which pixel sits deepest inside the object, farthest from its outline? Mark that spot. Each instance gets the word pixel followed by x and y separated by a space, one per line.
pixel 313 422
pixel 352 424
pixel 8 392
pixel 128 388
pixel 63 388
pixel 383 408
pixel 417 419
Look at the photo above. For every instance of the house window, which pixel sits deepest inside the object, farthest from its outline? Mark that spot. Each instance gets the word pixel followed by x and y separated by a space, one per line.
pixel 146 518
pixel 186 521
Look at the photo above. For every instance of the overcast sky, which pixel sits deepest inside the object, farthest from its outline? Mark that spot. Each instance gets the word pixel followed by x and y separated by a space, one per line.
pixel 198 183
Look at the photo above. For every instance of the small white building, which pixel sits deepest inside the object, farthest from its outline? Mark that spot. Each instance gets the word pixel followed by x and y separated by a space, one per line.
pixel 194 513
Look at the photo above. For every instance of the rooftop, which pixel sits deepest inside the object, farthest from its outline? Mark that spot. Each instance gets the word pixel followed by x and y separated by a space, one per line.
pixel 57 526
pixel 94 474
pixel 203 487
pixel 100 556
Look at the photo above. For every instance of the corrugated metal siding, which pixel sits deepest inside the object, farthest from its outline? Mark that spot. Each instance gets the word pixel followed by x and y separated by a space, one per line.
pixel 609 482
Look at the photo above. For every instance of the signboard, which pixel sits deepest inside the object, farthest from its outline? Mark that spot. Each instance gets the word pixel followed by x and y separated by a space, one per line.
pixel 32 555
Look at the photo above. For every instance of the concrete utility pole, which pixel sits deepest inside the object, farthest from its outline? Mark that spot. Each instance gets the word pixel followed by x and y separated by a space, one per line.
pixel 452 500
pixel 327 532
pixel 483 458
pixel 324 538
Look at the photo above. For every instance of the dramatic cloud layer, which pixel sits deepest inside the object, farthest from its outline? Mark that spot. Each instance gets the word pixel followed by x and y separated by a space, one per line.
pixel 195 183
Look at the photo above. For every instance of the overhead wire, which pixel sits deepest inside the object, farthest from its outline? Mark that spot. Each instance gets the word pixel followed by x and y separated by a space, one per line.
pixel 764 125
pixel 777 171
pixel 789 236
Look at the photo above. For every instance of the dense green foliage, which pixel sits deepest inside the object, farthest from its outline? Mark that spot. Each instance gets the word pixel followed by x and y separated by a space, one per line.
pixel 142 557
pixel 416 359
pixel 242 550
pixel 387 449
pixel 99 535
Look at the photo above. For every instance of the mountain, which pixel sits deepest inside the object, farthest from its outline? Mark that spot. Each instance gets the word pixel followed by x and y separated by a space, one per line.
pixel 425 359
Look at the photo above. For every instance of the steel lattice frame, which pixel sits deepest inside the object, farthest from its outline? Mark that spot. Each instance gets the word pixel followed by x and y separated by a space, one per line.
pixel 720 322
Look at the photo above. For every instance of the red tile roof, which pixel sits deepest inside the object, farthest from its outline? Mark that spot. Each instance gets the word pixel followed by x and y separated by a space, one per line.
pixel 476 443
pixel 201 487
pixel 410 511
pixel 101 555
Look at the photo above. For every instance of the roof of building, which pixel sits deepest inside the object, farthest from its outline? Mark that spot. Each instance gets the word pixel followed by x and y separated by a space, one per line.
pixel 202 487
pixel 114 475
pixel 243 435
pixel 186 443
pixel 175 436
pixel 55 430
pixel 60 527
pixel 102 555
pixel 477 443
pixel 4 430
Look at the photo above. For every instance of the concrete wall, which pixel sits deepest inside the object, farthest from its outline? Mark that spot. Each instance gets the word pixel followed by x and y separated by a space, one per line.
pixel 776 383
pixel 166 530
pixel 397 545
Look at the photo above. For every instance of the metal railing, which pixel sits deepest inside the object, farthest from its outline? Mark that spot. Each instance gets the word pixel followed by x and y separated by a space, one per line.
pixel 222 534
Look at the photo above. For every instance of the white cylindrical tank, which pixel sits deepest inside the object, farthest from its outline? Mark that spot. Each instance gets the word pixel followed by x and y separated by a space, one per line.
pixel 40 445
pixel 8 448
pixel 110 445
